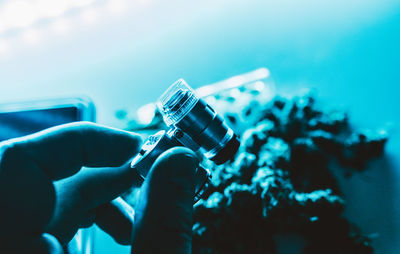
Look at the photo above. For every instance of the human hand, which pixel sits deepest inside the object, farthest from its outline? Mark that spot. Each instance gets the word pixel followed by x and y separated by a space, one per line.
pixel 35 200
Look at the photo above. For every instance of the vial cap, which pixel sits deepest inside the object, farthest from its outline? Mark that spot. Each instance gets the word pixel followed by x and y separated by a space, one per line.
pixel 176 102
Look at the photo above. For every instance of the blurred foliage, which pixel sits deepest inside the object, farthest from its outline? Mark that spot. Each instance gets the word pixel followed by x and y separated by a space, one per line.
pixel 281 182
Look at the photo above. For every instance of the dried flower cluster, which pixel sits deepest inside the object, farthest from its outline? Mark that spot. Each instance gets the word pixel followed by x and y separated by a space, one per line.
pixel 281 182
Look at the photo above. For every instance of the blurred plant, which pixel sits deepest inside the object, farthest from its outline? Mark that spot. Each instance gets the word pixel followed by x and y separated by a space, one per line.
pixel 281 183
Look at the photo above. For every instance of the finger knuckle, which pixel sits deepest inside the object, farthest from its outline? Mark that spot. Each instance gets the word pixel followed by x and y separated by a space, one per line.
pixel 10 151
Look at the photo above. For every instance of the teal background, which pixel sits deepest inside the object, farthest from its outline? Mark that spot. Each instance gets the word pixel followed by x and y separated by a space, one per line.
pixel 348 50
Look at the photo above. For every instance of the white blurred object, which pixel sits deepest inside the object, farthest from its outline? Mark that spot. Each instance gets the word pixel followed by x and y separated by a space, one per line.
pixel 234 82
pixel 19 19
pixel 31 36
pixel 61 26
pixel 3 47
pixel 116 6
pixel 18 14
pixel 89 16
pixel 22 14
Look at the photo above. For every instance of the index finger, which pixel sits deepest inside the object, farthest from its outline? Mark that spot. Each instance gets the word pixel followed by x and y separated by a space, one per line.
pixel 61 151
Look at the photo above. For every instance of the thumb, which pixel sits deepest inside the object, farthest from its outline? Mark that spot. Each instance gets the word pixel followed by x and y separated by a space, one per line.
pixel 164 212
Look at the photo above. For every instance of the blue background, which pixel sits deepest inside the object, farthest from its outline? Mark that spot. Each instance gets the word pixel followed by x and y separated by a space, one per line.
pixel 348 50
